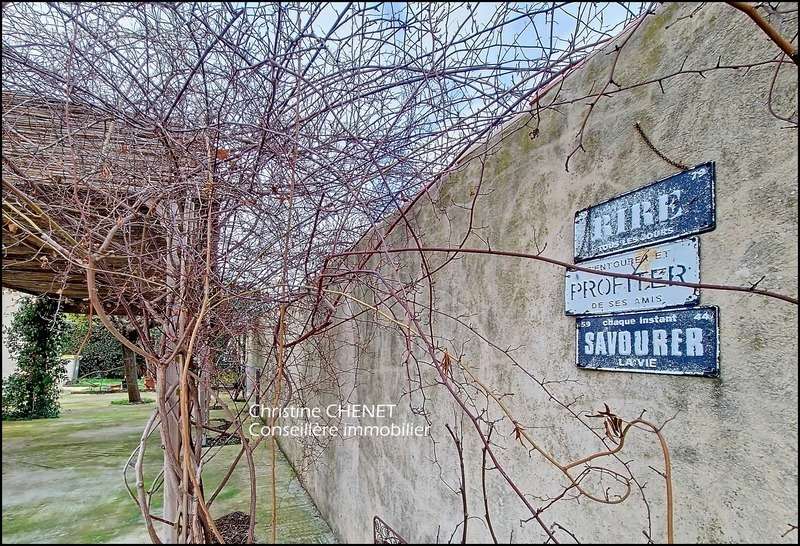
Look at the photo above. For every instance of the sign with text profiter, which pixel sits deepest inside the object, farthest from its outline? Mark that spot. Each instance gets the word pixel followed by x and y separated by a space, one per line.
pixel 679 341
pixel 682 204
pixel 591 294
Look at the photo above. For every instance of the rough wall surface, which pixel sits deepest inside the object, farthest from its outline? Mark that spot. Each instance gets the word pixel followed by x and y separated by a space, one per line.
pixel 734 438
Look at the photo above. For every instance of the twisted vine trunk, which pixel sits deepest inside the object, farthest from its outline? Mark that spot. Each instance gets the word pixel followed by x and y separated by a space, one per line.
pixel 166 379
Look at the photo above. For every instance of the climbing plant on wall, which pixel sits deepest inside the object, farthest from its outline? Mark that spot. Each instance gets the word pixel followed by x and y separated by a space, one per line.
pixel 35 339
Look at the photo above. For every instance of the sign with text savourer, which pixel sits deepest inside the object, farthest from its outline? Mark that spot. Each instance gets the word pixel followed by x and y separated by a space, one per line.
pixel 679 341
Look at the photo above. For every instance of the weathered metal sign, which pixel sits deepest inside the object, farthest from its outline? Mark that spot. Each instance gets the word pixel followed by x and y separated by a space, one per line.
pixel 682 204
pixel 591 294
pixel 679 341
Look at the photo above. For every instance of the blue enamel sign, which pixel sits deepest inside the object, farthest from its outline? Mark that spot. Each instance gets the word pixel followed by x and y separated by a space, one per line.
pixel 682 204
pixel 679 341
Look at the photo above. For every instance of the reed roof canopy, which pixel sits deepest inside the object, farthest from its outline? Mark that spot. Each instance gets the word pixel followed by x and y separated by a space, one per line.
pixel 76 182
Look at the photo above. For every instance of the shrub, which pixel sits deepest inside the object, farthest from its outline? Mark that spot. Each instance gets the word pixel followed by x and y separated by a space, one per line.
pixel 15 396
pixel 35 337
pixel 101 356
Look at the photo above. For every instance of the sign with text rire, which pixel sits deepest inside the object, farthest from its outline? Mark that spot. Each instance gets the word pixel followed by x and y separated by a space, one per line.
pixel 679 205
pixel 678 341
pixel 677 261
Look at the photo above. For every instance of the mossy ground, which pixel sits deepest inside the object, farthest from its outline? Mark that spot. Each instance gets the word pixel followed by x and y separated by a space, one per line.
pixel 62 479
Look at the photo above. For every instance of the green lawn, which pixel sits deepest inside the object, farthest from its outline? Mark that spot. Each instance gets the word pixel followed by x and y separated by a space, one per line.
pixel 101 382
pixel 62 479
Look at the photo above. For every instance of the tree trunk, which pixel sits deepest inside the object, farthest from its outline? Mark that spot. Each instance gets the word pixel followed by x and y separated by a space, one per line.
pixel 167 377
pixel 129 359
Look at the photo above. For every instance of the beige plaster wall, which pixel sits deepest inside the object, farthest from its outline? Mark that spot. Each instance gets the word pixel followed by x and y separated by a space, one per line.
pixel 734 438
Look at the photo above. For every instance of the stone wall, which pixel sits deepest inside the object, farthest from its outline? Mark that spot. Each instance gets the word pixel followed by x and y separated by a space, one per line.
pixel 733 439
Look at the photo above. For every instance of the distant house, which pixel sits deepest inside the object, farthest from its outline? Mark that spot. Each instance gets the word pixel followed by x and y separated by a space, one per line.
pixel 10 305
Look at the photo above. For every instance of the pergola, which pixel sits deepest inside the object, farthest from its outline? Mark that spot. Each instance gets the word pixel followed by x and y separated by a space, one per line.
pixel 56 154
